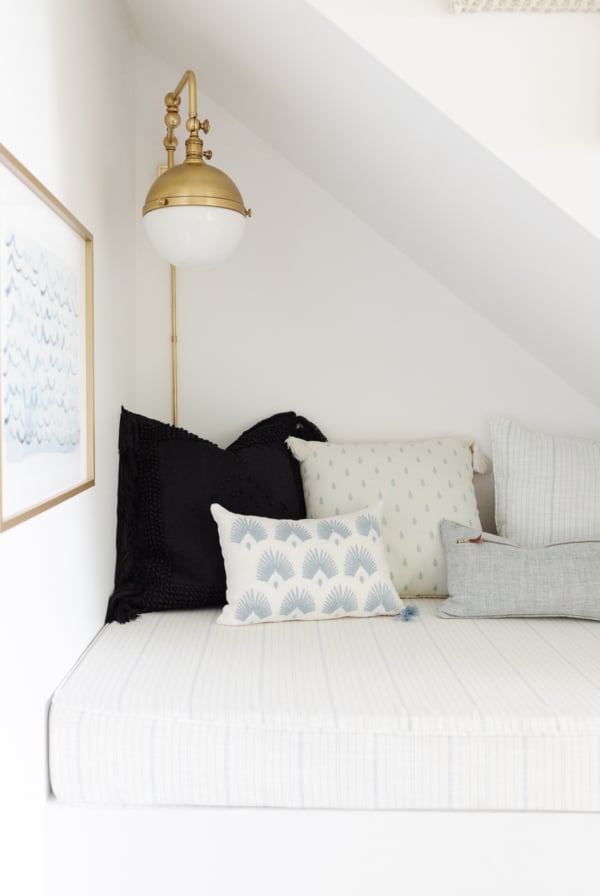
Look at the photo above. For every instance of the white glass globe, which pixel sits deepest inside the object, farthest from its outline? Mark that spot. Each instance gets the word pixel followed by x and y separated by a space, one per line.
pixel 194 234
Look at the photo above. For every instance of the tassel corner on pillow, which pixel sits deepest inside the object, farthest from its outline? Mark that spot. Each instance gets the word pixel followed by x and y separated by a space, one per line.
pixel 408 613
pixel 298 447
pixel 121 606
pixel 481 462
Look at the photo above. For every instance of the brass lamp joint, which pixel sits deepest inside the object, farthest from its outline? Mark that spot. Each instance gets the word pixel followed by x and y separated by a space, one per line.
pixel 193 149
pixel 194 146
pixel 172 121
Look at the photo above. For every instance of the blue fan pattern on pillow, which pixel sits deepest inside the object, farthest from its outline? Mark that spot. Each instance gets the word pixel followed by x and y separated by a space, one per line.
pixel 357 559
pixel 381 597
pixel 274 563
pixel 367 523
pixel 320 568
pixel 243 527
pixel 317 561
pixel 327 529
pixel 252 604
pixel 288 530
pixel 298 602
pixel 340 600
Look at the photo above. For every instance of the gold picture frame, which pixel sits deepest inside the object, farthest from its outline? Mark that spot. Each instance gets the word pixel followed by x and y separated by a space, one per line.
pixel 46 348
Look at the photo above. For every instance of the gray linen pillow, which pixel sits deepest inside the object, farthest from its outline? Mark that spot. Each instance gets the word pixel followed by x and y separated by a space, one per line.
pixel 490 576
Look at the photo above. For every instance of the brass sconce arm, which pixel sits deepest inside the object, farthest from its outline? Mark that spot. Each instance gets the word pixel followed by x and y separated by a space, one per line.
pixel 173 120
pixel 197 226
pixel 193 182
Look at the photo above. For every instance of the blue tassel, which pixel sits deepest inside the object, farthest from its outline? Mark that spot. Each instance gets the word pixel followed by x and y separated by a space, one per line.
pixel 407 613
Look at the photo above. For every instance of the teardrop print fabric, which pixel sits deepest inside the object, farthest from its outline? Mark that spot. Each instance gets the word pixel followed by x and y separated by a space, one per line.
pixel 419 483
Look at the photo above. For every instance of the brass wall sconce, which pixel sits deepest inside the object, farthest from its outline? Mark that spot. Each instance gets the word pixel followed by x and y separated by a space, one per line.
pixel 194 214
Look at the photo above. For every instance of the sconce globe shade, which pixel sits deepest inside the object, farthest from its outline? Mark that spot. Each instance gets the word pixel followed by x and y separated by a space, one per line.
pixel 194 235
pixel 194 213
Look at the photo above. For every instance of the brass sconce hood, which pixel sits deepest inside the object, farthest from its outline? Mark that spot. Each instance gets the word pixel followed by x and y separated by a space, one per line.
pixel 193 182
pixel 192 237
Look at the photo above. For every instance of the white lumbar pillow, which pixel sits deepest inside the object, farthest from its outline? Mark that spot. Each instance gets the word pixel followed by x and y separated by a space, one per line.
pixel 547 487
pixel 420 484
pixel 280 570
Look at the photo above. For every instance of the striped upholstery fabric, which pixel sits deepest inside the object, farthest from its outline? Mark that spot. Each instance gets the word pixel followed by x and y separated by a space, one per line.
pixel 352 713
pixel 547 487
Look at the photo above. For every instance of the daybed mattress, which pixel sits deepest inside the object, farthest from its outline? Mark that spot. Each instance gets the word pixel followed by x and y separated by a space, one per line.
pixel 352 713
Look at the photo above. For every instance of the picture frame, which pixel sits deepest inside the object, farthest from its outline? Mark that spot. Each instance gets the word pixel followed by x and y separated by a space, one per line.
pixel 46 348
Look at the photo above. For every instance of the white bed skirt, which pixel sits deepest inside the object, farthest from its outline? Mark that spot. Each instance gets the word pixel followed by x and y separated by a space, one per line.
pixel 270 852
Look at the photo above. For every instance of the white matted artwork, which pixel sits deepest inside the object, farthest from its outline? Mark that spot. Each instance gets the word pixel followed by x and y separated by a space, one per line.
pixel 46 348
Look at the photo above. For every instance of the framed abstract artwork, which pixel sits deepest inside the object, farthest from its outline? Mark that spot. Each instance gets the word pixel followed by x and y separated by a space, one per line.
pixel 46 348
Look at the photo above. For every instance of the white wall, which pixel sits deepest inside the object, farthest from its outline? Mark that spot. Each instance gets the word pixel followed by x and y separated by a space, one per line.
pixel 66 89
pixel 317 313
pixel 367 138
pixel 526 86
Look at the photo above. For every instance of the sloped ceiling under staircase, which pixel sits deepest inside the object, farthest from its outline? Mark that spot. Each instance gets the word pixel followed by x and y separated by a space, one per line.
pixel 397 162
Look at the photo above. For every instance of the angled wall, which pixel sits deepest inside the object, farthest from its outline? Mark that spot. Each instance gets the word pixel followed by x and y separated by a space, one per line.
pixel 318 312
pixel 402 166
pixel 526 86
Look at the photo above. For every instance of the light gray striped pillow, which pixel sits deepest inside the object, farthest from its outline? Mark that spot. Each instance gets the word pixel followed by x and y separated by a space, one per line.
pixel 490 576
pixel 547 487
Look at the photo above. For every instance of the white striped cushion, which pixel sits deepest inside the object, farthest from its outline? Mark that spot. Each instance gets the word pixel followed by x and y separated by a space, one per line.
pixel 547 487
pixel 361 714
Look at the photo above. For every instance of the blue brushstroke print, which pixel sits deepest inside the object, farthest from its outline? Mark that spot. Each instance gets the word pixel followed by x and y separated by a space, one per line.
pixel 41 364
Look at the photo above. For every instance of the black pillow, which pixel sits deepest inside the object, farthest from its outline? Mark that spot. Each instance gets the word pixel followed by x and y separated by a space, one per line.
pixel 168 552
